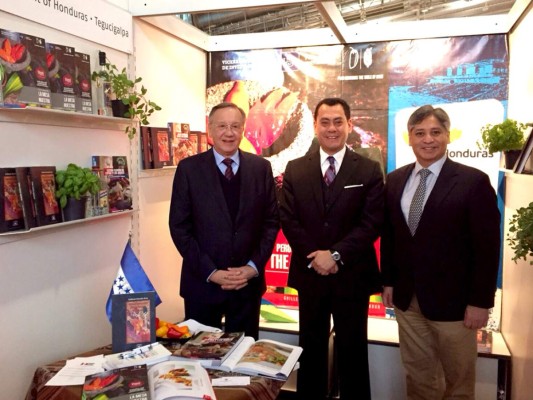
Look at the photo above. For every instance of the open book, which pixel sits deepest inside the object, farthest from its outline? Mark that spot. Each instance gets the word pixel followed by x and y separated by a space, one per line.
pixel 210 348
pixel 264 357
pixel 166 380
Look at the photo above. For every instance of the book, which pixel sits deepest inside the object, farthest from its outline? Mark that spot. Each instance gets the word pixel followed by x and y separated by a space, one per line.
pixel 181 380
pixel 203 144
pixel 184 142
pixel 82 83
pixel 522 166
pixel 152 353
pixel 268 358
pixel 210 348
pixel 161 147
pixel 11 210
pixel 26 73
pixel 146 148
pixel 114 171
pixel 118 384
pixel 43 188
pixel 484 341
pixel 61 63
pixel 132 320
pixel 26 197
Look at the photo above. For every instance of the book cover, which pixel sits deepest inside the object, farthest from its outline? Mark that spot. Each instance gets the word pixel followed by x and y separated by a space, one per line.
pixel 161 147
pixel 26 73
pixel 484 341
pixel 202 141
pixel 82 83
pixel 11 210
pixel 210 348
pixel 132 320
pixel 43 187
pixel 175 379
pixel 184 142
pixel 61 64
pixel 114 171
pixel 263 357
pixel 125 383
pixel 26 197
pixel 146 148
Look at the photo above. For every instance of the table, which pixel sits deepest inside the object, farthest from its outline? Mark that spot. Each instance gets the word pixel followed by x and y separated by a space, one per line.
pixel 259 389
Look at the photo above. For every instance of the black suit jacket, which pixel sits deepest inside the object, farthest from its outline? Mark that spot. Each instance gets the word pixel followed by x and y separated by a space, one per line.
pixel 349 224
pixel 202 229
pixel 452 261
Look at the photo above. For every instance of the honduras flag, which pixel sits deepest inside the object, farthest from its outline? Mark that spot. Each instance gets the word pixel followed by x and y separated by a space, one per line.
pixel 131 278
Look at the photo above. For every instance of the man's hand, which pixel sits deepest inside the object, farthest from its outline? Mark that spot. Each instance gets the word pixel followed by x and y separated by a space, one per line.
pixel 475 317
pixel 234 278
pixel 387 296
pixel 322 262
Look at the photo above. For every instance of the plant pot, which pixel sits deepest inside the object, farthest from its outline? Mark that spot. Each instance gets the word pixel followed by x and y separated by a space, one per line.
pixel 119 108
pixel 75 209
pixel 511 157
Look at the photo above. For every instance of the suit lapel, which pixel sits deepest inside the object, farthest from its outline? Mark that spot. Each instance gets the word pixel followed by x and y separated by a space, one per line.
pixel 444 184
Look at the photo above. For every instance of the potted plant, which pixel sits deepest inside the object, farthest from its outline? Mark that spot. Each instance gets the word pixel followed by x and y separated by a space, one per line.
pixel 73 185
pixel 507 137
pixel 137 107
pixel 520 235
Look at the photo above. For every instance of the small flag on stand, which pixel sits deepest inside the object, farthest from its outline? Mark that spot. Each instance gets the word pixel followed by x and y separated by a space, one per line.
pixel 131 278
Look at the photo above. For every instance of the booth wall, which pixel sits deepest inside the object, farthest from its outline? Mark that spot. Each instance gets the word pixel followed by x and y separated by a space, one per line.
pixel 517 302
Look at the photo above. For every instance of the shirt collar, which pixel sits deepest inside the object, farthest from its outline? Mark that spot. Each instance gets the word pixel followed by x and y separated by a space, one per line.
pixel 219 158
pixel 435 168
pixel 338 156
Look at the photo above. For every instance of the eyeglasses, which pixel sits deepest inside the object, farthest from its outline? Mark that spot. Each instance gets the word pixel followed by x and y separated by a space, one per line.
pixel 235 128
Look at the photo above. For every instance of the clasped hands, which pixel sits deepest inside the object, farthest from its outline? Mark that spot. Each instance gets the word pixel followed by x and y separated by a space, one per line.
pixel 322 262
pixel 234 278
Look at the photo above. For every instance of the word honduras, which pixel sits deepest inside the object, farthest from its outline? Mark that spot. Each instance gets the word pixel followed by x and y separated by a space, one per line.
pixel 103 25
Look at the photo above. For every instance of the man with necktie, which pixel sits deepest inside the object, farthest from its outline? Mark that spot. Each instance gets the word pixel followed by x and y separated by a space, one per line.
pixel 331 212
pixel 224 221
pixel 439 260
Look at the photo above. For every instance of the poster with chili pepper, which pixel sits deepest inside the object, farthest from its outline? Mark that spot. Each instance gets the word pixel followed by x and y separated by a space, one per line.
pixel 23 70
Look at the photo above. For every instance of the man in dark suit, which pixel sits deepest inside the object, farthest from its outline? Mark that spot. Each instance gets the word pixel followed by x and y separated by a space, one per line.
pixel 440 273
pixel 224 221
pixel 331 212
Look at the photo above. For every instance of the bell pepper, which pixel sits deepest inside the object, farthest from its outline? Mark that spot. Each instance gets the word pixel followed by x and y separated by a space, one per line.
pixel 173 333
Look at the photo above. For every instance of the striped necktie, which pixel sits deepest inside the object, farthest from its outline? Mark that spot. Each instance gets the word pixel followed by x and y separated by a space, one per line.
pixel 229 170
pixel 330 173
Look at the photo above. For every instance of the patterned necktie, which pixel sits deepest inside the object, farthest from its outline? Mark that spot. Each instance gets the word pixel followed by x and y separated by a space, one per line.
pixel 417 204
pixel 329 175
pixel 229 171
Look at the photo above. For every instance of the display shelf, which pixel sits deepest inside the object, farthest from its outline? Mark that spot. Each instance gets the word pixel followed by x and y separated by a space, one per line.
pixel 61 225
pixel 153 173
pixel 70 119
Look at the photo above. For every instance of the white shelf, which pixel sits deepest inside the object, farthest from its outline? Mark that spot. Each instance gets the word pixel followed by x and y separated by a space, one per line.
pixel 62 225
pixel 46 116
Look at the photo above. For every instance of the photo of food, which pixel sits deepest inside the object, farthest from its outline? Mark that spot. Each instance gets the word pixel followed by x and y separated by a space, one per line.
pixel 265 353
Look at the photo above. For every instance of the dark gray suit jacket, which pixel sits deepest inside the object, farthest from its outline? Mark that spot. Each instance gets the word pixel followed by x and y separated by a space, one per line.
pixel 349 224
pixel 202 229
pixel 452 261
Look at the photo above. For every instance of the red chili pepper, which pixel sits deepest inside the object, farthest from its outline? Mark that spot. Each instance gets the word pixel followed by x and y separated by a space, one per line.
pixel 5 51
pixel 49 59
pixel 17 51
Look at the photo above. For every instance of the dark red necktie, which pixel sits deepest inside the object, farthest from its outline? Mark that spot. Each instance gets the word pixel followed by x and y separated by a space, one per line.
pixel 329 176
pixel 229 171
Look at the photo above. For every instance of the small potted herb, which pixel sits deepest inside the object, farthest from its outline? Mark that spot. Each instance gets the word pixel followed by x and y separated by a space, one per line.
pixel 520 235
pixel 73 185
pixel 137 106
pixel 507 137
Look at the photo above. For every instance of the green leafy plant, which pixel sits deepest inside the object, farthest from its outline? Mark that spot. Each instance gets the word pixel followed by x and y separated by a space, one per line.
pixel 75 182
pixel 125 89
pixel 520 235
pixel 508 135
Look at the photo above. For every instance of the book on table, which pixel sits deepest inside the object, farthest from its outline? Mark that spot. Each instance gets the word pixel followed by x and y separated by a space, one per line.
pixel 149 354
pixel 484 341
pixel 263 357
pixel 209 348
pixel 162 381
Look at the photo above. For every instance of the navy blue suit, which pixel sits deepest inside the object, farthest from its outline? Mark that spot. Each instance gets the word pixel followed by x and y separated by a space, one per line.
pixel 207 238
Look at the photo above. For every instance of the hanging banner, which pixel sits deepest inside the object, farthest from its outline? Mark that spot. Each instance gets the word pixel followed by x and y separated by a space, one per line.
pixel 96 20
pixel 383 83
